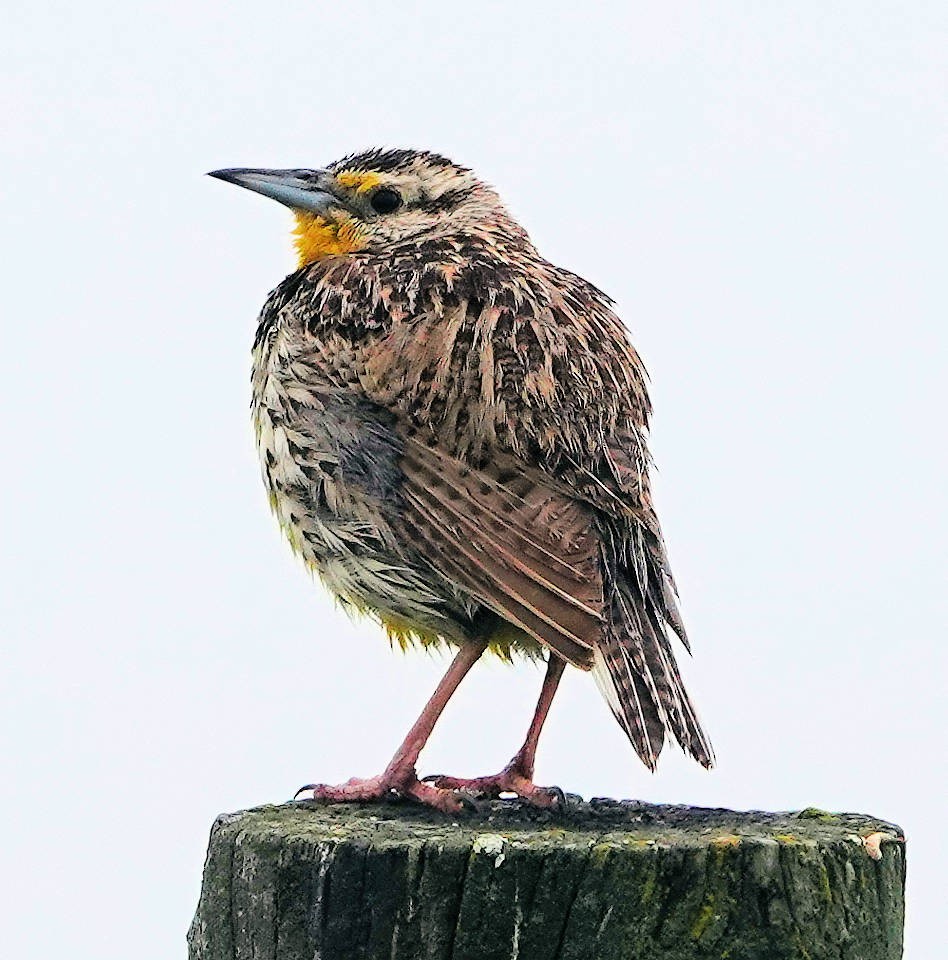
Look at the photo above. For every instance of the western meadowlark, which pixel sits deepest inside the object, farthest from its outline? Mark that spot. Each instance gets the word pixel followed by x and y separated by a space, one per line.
pixel 452 432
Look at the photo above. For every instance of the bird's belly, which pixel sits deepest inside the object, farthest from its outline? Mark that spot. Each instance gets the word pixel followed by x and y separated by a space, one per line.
pixel 326 519
pixel 330 466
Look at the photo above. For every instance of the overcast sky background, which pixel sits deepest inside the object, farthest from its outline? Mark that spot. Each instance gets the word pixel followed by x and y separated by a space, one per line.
pixel 762 189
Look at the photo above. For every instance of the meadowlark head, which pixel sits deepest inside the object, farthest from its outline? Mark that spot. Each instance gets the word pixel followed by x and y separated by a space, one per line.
pixel 376 200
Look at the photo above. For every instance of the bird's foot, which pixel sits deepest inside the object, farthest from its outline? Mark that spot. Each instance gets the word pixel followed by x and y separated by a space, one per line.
pixel 512 779
pixel 387 786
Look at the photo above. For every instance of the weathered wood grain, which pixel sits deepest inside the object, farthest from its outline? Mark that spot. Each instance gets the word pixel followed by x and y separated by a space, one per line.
pixel 607 880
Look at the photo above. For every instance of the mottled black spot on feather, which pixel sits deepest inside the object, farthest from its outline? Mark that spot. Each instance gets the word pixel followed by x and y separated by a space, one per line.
pixel 449 200
pixel 378 160
pixel 281 295
pixel 368 447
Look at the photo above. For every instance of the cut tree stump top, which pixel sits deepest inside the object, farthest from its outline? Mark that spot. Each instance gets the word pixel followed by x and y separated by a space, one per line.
pixel 607 880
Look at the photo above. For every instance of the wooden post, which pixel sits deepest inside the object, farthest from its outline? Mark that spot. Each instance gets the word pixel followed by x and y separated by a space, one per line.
pixel 608 880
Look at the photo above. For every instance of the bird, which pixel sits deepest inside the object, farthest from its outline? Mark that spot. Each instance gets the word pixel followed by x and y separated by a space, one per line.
pixel 453 433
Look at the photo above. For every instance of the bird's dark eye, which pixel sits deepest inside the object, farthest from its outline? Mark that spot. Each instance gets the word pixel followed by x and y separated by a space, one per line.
pixel 386 200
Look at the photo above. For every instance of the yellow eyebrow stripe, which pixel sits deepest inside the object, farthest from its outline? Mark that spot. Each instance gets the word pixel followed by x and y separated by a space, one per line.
pixel 358 180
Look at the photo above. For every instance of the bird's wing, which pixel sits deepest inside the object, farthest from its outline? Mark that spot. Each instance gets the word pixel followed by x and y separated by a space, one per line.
pixel 635 664
pixel 539 369
pixel 515 542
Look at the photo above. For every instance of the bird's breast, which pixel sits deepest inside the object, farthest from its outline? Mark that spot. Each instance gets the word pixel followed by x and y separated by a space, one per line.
pixel 329 460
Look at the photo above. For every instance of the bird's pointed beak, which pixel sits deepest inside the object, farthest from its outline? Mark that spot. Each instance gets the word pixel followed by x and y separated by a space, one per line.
pixel 297 189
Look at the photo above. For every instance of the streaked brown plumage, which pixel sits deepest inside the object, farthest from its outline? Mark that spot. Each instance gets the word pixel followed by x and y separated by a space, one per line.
pixel 453 433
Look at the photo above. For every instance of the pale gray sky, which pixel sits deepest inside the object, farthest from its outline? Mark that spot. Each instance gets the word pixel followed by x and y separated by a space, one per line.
pixel 762 189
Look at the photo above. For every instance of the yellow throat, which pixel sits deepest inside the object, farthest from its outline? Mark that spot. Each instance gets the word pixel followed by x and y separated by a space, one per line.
pixel 316 237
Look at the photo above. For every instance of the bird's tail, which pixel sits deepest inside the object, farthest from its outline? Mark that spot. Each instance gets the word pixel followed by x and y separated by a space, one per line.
pixel 634 667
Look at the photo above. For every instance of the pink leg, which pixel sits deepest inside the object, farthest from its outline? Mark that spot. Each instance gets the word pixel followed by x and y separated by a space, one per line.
pixel 399 776
pixel 517 776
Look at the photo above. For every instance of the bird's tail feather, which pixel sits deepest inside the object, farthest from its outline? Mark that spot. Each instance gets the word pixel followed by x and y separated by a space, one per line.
pixel 635 669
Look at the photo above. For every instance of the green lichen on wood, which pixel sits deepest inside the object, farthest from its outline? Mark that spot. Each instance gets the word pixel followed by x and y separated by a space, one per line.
pixel 610 881
pixel 815 813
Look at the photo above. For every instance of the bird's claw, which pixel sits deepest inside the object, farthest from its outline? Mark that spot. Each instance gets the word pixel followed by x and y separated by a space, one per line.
pixel 385 788
pixel 508 780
